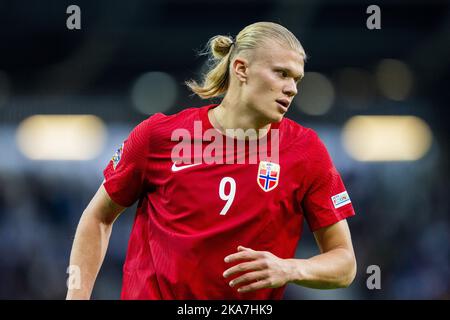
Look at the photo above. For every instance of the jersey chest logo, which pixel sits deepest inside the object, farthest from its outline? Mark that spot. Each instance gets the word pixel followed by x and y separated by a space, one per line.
pixel 268 175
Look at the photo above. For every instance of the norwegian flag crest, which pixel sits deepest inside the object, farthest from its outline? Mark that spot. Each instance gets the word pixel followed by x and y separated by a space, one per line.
pixel 268 175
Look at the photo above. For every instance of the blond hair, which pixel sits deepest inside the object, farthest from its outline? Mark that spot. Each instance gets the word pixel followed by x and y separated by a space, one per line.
pixel 222 49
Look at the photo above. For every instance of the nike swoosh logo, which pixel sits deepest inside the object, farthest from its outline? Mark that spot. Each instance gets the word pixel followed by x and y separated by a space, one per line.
pixel 179 168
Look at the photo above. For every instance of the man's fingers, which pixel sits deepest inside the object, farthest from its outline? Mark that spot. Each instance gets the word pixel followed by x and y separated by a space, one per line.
pixel 249 277
pixel 242 248
pixel 261 284
pixel 241 255
pixel 242 267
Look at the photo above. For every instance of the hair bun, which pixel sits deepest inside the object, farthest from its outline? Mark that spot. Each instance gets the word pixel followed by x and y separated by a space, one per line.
pixel 220 46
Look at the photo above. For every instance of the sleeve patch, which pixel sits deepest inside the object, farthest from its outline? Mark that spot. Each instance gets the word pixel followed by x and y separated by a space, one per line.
pixel 117 156
pixel 340 199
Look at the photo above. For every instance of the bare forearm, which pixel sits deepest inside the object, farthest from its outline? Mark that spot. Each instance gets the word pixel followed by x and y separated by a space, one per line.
pixel 88 251
pixel 333 269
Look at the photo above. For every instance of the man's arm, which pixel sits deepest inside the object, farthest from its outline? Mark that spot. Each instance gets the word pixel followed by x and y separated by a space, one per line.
pixel 91 241
pixel 334 267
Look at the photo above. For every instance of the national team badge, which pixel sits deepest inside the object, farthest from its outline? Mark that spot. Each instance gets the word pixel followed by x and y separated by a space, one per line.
pixel 117 156
pixel 268 175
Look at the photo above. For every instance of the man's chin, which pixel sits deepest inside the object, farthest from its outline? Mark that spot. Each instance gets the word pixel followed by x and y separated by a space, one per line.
pixel 276 118
pixel 272 117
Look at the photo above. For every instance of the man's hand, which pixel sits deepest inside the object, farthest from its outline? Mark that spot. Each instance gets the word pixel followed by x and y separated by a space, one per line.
pixel 261 269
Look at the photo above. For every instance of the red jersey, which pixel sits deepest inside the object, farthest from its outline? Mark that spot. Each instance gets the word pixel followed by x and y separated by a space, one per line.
pixel 190 217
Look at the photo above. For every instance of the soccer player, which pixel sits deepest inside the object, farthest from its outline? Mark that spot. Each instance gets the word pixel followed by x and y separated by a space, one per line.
pixel 228 228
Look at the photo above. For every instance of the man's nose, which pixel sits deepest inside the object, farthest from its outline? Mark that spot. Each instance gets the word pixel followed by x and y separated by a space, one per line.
pixel 290 89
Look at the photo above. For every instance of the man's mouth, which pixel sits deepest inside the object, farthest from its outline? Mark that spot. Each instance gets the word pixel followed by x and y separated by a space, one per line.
pixel 284 103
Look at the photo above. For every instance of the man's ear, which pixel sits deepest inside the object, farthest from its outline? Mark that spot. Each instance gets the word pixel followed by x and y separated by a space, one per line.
pixel 240 68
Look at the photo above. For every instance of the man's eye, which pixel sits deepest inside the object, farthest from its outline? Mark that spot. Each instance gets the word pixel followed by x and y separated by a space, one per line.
pixel 283 73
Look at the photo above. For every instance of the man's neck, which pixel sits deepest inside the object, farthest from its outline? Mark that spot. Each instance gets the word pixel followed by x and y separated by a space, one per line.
pixel 228 117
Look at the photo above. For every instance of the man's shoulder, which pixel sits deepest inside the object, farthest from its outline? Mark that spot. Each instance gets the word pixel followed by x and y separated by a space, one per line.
pixel 295 132
pixel 186 115
pixel 161 123
pixel 307 142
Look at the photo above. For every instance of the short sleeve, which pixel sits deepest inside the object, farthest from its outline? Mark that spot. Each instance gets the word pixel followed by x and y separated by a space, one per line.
pixel 126 171
pixel 326 200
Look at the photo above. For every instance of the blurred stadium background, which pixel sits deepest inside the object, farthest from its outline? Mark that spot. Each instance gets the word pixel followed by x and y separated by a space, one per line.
pixel 378 98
